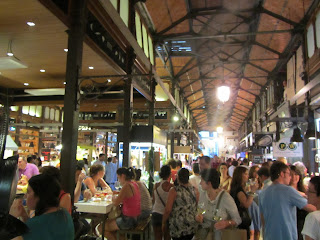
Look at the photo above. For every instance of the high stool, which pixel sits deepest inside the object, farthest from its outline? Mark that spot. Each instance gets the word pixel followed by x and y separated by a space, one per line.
pixel 142 229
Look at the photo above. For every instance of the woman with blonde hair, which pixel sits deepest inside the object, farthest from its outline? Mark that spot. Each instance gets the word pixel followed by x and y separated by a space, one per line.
pixel 96 180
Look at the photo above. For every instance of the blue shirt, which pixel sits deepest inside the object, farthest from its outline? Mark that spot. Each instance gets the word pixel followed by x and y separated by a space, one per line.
pixel 111 172
pixel 278 205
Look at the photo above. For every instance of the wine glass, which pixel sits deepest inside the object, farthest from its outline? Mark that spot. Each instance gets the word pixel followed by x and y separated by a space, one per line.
pixel 216 216
pixel 117 185
pixel 201 208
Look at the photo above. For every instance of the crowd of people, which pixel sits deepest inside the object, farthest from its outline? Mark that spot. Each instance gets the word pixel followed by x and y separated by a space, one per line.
pixel 267 201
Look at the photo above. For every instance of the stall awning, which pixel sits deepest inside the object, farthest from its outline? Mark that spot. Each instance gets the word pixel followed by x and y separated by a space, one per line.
pixel 10 144
pixel 86 146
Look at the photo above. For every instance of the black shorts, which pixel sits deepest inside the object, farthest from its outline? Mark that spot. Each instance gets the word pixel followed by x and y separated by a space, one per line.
pixel 156 219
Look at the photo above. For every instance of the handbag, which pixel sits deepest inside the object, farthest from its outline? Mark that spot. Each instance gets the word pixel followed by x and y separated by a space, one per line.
pixel 233 234
pixel 114 213
pixel 245 217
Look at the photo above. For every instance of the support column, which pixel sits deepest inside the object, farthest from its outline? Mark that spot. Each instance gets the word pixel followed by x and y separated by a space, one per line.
pixel 151 123
pixel 4 119
pixel 71 99
pixel 173 89
pixel 128 93
pixel 127 123
pixel 152 103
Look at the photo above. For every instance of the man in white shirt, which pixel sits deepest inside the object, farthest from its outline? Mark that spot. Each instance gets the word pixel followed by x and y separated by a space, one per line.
pixel 232 167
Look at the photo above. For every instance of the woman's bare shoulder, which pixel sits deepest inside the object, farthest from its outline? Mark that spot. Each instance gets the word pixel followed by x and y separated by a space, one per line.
pixel 166 186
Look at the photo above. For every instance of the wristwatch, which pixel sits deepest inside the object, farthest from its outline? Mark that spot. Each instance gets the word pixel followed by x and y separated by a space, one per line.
pixel 230 222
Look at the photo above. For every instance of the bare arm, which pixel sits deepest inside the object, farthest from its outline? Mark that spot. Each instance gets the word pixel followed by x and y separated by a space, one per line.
pixel 309 208
pixel 103 184
pixel 77 190
pixel 65 202
pixel 306 237
pixel 122 194
pixel 262 220
pixel 197 194
pixel 21 238
pixel 90 184
pixel 244 200
pixel 155 187
pixel 171 198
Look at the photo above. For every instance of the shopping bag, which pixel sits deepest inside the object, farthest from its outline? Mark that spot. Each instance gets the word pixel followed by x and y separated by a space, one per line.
pixel 234 234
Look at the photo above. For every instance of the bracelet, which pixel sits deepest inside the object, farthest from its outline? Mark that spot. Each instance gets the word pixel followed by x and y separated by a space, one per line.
pixel 252 194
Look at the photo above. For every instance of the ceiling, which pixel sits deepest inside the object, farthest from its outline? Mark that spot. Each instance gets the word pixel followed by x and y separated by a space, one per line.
pixel 40 47
pixel 243 43
pixel 204 43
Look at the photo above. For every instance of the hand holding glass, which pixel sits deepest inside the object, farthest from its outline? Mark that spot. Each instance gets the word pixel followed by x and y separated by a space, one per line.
pixel 117 185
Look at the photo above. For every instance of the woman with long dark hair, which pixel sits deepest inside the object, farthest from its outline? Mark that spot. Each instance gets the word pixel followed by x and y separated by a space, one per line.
pixel 64 198
pixel 50 222
pixel 242 199
pixel 130 198
pixel 297 183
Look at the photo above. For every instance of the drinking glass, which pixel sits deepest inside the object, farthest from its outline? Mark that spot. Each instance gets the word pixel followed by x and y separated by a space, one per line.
pixel 216 216
pixel 117 185
pixel 201 208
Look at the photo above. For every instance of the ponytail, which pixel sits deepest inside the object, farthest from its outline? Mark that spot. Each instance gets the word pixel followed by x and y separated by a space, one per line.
pixel 128 172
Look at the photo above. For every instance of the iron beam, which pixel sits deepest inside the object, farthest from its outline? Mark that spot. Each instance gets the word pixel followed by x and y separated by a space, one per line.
pixel 194 36
pixel 72 95
pixel 277 16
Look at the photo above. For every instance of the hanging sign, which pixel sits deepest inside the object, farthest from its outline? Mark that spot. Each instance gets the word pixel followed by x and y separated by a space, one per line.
pixel 285 148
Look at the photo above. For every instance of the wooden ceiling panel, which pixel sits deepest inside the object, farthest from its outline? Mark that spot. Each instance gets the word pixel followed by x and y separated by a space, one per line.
pixel 281 42
pixel 246 96
pixel 246 83
pixel 180 28
pixel 266 64
pixel 40 47
pixel 236 4
pixel 258 52
pixel 253 71
pixel 292 9
pixel 162 71
pixel 159 13
pixel 269 23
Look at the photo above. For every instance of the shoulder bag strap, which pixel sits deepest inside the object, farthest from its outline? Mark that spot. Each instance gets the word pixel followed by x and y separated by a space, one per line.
pixel 219 200
pixel 159 196
pixel 193 197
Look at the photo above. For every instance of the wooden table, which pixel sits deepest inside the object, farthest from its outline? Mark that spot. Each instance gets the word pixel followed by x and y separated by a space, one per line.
pixel 103 208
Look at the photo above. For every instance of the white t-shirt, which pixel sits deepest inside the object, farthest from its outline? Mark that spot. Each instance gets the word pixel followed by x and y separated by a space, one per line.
pixel 194 180
pixel 311 225
pixel 231 170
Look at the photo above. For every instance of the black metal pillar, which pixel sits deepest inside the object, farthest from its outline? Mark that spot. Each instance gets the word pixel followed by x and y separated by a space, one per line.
pixel 4 120
pixel 127 121
pixel 151 123
pixel 128 93
pixel 71 99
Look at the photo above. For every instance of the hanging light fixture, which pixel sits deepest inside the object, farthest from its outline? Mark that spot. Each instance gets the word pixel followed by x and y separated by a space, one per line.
pixel 223 92
pixel 219 129
pixel 311 132
pixel 296 137
pixel 175 118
